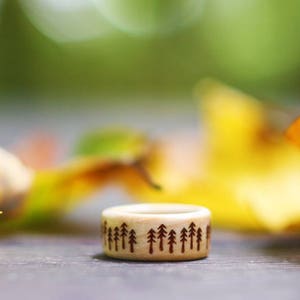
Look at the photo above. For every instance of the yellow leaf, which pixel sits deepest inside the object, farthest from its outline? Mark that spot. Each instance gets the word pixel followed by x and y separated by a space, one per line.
pixel 246 173
pixel 103 157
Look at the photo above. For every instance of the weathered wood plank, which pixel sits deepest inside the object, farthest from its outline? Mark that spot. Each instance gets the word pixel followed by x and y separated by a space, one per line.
pixel 73 267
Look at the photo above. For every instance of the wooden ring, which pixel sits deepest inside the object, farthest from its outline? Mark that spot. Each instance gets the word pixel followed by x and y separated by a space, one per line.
pixel 158 232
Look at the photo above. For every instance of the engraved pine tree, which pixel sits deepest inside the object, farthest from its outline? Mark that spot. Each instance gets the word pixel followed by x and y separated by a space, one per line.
pixel 208 233
pixel 151 239
pixel 171 240
pixel 123 233
pixel 109 237
pixel 104 231
pixel 116 237
pixel 161 234
pixel 183 238
pixel 192 233
pixel 199 238
pixel 132 240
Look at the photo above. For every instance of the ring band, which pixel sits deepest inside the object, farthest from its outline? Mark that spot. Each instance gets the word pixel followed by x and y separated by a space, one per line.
pixel 157 232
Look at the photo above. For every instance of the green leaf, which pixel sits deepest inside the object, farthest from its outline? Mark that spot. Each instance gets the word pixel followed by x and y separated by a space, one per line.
pixel 113 144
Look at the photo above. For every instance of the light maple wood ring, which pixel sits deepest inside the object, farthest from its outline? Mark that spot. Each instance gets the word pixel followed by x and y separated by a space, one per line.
pixel 158 232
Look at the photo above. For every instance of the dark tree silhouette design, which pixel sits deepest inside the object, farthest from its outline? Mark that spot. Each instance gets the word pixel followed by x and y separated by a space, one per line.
pixel 104 231
pixel 151 239
pixel 109 238
pixel 171 240
pixel 123 233
pixel 161 234
pixel 199 238
pixel 208 233
pixel 116 237
pixel 192 232
pixel 183 238
pixel 132 240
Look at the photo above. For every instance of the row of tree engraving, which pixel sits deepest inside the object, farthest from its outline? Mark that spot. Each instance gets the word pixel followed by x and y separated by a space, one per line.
pixel 113 236
pixel 186 234
pixel 188 237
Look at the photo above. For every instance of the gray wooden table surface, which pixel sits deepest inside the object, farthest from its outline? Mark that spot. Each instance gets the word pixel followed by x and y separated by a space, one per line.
pixel 62 266
pixel 67 263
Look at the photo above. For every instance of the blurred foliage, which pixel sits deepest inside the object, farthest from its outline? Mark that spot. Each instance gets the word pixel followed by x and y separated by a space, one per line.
pixel 144 17
pixel 243 169
pixel 254 41
pixel 112 144
pixel 32 196
pixel 93 47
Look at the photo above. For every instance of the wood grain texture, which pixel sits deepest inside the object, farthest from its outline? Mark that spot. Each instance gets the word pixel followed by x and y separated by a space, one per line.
pixel 73 267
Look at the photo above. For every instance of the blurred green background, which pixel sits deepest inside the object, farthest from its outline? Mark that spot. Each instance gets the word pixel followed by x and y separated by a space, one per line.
pixel 87 49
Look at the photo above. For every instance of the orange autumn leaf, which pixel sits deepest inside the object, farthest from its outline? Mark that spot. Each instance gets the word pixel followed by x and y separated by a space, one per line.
pixel 293 132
